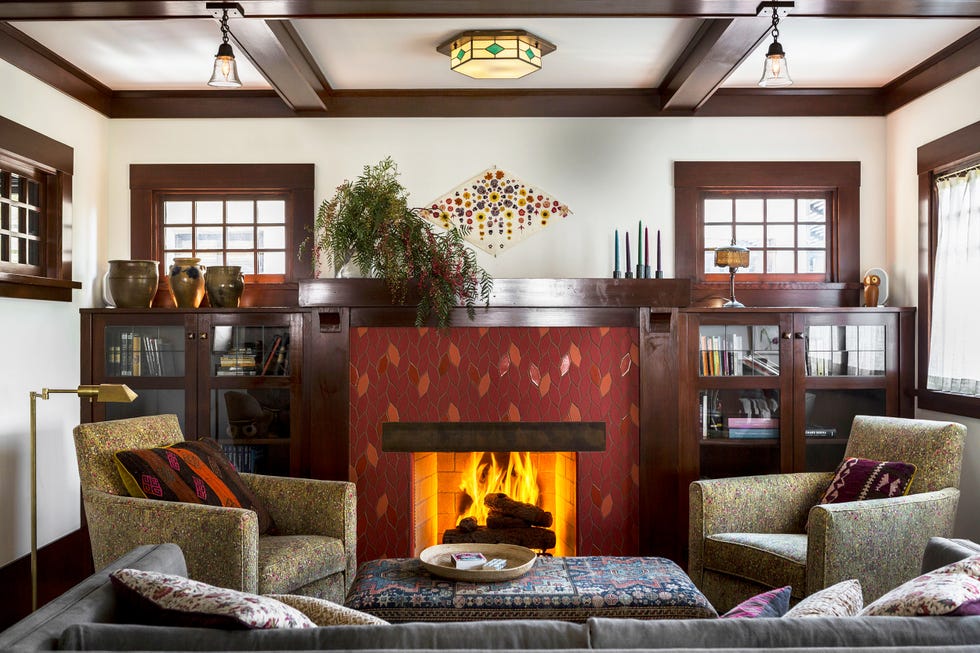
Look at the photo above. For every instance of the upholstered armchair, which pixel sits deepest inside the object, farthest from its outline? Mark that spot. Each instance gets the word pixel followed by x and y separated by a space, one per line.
pixel 313 552
pixel 750 534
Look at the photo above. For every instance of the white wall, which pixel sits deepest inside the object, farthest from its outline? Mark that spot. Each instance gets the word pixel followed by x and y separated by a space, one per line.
pixel 610 172
pixel 936 114
pixel 41 338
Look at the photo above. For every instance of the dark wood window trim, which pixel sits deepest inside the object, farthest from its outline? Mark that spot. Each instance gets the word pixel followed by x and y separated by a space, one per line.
pixel 151 183
pixel 842 179
pixel 52 162
pixel 953 151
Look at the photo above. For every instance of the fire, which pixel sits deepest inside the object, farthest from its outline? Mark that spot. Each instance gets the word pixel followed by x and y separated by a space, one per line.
pixel 518 480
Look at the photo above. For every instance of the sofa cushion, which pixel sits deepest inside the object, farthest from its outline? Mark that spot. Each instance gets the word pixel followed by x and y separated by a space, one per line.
pixel 936 593
pixel 196 471
pixel 857 479
pixel 167 599
pixel 327 613
pixel 841 600
pixel 771 559
pixel 773 603
pixel 288 562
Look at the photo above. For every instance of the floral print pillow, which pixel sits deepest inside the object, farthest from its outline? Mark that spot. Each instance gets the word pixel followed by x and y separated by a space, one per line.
pixel 166 599
pixel 943 591
pixel 327 613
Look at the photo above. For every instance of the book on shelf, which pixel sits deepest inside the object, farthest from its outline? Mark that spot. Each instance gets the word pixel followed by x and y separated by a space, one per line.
pixel 753 422
pixel 272 355
pixel 819 432
pixel 721 355
pixel 752 434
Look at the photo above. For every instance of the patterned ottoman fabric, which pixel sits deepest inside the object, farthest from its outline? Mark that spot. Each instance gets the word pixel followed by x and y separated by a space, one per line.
pixel 569 589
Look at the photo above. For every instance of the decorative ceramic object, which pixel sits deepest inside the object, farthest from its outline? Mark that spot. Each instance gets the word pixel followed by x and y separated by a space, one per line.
pixel 224 284
pixel 187 282
pixel 131 283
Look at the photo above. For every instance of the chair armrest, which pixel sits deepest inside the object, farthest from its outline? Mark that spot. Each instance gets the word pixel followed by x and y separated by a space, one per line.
pixel 879 541
pixel 772 503
pixel 220 544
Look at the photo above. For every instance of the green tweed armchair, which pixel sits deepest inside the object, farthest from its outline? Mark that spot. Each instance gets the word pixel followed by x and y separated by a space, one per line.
pixel 313 552
pixel 749 534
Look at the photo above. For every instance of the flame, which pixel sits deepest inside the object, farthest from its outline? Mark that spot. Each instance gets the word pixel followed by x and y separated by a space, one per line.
pixel 518 480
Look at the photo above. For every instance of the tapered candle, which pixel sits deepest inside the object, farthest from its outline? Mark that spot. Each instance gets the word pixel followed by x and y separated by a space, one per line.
pixel 627 251
pixel 617 250
pixel 639 242
pixel 659 268
pixel 646 246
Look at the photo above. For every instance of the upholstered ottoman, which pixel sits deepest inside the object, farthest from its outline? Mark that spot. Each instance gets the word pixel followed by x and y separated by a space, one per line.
pixel 569 589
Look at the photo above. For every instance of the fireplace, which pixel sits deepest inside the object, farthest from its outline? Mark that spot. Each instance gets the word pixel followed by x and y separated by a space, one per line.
pixel 456 466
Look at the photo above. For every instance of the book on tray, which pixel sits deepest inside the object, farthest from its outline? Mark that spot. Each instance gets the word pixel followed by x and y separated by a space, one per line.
pixel 468 560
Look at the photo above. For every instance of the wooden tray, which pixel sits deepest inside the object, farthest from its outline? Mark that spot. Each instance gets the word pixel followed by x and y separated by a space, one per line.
pixel 439 563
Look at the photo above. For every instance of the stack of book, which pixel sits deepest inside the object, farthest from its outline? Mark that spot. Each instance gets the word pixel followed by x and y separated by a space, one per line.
pixel 753 428
pixel 239 361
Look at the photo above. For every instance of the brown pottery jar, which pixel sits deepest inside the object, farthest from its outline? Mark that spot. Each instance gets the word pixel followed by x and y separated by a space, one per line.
pixel 224 284
pixel 187 282
pixel 131 283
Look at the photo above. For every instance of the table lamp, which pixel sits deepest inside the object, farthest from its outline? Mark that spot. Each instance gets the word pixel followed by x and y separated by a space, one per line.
pixel 732 257
pixel 106 393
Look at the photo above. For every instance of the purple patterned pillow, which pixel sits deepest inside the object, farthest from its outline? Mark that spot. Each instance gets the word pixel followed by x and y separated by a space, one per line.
pixel 774 603
pixel 857 479
pixel 950 590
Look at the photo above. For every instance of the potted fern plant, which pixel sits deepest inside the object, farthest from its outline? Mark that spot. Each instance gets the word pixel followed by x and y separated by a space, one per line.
pixel 368 224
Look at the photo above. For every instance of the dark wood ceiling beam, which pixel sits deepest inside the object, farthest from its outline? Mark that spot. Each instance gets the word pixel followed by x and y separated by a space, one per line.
pixel 716 49
pixel 20 50
pixel 958 58
pixel 280 55
pixel 150 9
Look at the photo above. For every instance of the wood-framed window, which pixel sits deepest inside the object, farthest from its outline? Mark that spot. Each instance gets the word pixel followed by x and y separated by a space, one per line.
pixel 252 215
pixel 951 153
pixel 800 221
pixel 35 215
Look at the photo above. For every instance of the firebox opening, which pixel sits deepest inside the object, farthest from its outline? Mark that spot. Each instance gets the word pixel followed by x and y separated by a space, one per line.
pixel 451 486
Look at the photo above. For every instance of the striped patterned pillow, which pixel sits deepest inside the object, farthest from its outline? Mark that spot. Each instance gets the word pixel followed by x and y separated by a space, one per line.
pixel 194 471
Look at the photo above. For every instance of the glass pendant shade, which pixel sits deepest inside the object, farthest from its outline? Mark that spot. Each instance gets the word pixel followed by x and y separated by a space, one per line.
pixel 775 71
pixel 503 54
pixel 225 73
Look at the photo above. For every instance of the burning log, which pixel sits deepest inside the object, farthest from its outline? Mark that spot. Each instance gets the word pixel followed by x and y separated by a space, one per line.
pixel 497 519
pixel 526 511
pixel 533 537
pixel 467 524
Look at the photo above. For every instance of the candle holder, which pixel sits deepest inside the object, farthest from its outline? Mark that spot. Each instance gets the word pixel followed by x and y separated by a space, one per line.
pixel 629 275
pixel 660 274
pixel 639 270
pixel 617 274
pixel 646 271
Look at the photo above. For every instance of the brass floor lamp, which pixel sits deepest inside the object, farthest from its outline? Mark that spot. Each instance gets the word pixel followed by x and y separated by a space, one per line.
pixel 107 392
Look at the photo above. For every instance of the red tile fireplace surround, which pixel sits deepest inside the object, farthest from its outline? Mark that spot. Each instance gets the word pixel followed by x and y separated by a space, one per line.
pixel 546 350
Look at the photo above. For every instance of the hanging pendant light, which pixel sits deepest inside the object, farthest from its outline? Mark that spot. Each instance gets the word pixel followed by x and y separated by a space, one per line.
pixel 225 73
pixel 775 71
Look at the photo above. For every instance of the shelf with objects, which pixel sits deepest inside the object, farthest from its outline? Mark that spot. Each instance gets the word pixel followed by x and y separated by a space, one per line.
pixel 233 375
pixel 774 390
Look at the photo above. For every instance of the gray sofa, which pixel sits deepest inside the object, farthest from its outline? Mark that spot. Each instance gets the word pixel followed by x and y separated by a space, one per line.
pixel 85 618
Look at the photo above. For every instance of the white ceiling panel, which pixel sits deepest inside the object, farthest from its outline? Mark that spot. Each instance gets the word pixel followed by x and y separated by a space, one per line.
pixel 401 54
pixel 141 54
pixel 828 52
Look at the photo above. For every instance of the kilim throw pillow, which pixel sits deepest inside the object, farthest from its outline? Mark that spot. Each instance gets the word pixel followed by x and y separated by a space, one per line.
pixel 327 613
pixel 857 479
pixel 841 600
pixel 195 471
pixel 150 597
pixel 773 603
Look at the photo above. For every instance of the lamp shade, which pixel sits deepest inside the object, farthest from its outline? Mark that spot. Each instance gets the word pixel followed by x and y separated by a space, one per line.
pixel 732 256
pixel 225 74
pixel 499 54
pixel 775 71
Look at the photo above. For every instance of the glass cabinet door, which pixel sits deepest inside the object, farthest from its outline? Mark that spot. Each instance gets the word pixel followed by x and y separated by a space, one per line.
pixel 843 374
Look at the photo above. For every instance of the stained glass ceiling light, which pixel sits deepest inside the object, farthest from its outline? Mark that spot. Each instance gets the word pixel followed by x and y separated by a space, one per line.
pixel 496 54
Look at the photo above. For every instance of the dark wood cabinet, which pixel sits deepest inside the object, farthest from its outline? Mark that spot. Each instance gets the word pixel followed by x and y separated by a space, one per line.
pixel 234 375
pixel 774 390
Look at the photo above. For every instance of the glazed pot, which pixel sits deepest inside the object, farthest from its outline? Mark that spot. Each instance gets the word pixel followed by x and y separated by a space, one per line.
pixel 187 282
pixel 224 285
pixel 131 283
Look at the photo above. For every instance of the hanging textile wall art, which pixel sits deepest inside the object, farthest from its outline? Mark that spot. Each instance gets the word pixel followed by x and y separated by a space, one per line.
pixel 499 209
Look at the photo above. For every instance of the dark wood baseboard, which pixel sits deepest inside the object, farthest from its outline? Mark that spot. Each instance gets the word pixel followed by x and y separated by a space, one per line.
pixel 61 565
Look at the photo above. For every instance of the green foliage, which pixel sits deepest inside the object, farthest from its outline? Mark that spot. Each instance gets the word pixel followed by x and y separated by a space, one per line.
pixel 369 221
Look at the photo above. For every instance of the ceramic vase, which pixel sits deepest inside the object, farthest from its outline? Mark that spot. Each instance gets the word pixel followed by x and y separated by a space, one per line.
pixel 131 283
pixel 187 282
pixel 224 285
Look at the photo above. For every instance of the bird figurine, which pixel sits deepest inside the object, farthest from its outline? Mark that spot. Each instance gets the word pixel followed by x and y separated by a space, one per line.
pixel 871 283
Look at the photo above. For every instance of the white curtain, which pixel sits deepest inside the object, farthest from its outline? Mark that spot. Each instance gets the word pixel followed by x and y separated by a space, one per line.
pixel 954 349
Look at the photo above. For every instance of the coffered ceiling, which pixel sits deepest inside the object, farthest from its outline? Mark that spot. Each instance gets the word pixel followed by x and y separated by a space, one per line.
pixel 378 58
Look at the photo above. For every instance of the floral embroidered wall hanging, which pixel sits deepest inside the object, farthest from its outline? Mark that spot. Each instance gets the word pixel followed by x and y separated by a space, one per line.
pixel 499 209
